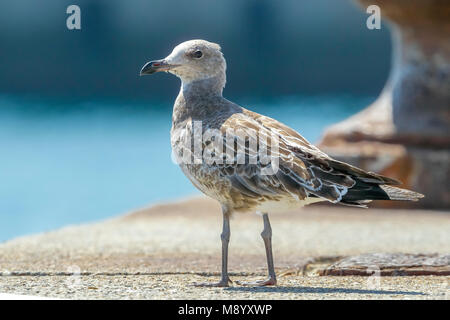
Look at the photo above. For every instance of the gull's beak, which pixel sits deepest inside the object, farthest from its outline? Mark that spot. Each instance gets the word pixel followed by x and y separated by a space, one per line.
pixel 155 66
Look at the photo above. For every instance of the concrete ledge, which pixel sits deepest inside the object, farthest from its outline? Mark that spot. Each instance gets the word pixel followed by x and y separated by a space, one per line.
pixel 180 243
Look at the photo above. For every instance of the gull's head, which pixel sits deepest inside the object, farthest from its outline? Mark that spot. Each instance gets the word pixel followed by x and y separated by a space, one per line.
pixel 191 61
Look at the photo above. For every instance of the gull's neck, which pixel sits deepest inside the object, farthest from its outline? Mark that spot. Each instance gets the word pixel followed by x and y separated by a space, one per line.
pixel 198 98
pixel 208 87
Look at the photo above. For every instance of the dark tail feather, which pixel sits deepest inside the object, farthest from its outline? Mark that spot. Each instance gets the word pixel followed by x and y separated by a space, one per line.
pixel 364 193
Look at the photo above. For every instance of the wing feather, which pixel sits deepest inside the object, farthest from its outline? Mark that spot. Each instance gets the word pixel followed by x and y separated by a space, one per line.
pixel 304 170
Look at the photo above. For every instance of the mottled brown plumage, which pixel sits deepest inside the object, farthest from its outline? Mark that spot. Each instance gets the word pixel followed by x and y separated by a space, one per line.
pixel 303 173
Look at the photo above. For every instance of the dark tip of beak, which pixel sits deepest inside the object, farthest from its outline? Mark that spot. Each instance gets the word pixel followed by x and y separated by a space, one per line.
pixel 153 66
pixel 147 69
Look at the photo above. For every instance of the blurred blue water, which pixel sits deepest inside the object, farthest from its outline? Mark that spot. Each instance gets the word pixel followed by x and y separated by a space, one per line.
pixel 80 162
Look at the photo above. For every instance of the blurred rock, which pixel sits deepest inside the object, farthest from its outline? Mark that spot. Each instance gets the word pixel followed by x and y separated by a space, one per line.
pixel 390 264
pixel 405 132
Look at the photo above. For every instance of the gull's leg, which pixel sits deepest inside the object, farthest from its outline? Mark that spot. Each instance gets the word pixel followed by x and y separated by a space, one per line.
pixel 266 234
pixel 225 237
pixel 267 237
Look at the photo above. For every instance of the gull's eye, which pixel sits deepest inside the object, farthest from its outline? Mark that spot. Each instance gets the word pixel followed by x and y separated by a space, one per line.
pixel 197 54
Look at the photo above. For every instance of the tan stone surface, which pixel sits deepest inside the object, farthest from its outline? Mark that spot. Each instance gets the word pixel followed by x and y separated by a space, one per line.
pixel 179 286
pixel 170 246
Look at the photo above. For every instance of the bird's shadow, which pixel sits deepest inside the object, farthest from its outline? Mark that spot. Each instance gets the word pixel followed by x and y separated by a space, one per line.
pixel 322 290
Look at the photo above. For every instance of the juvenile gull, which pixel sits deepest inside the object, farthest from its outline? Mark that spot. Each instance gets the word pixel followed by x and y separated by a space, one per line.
pixel 303 174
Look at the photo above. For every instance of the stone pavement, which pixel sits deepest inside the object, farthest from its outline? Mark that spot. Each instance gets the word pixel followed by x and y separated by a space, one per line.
pixel 158 252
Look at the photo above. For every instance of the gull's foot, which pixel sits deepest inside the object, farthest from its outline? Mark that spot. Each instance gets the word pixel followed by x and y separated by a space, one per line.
pixel 222 283
pixel 260 283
